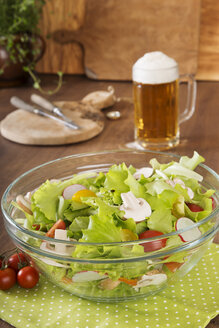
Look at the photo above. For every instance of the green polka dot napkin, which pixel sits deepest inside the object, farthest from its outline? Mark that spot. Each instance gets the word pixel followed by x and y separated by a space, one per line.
pixel 191 302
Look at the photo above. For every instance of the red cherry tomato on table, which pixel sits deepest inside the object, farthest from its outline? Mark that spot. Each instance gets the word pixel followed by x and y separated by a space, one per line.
pixel 194 207
pixel 152 245
pixel 28 277
pixel 7 278
pixel 17 261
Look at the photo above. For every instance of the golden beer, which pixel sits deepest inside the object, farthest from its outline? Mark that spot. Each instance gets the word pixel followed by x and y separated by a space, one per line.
pixel 156 81
pixel 156 114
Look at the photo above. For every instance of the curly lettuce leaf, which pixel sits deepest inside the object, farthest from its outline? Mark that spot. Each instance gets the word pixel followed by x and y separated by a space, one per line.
pixel 134 186
pixel 156 187
pixel 115 178
pixel 161 220
pixel 101 231
pixel 46 196
pixel 71 215
pixel 179 170
pixel 191 163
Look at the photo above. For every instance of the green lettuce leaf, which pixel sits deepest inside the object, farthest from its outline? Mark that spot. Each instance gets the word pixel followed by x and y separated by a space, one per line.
pixel 125 224
pixel 191 163
pixel 101 230
pixel 71 215
pixel 141 227
pixel 79 223
pixel 115 178
pixel 178 208
pixel 46 196
pixel 161 220
pixel 179 170
pixel 156 187
pixel 134 186
pixel 63 204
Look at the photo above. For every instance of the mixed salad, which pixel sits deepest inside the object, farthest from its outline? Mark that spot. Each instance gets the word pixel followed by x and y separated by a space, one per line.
pixel 123 204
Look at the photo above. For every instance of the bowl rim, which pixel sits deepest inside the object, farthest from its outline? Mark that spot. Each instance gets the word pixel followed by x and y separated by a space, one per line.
pixel 31 233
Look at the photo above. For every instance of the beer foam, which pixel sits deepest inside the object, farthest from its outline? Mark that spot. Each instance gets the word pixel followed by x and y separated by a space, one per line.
pixel 155 68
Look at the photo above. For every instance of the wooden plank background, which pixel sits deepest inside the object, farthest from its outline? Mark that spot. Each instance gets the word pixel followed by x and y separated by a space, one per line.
pixel 208 59
pixel 69 56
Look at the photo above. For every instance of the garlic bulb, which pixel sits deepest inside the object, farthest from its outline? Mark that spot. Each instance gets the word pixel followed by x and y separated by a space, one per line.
pixel 100 99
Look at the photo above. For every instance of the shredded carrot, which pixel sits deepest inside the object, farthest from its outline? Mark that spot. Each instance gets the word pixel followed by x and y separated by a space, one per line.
pixel 66 280
pixel 131 282
pixel 60 224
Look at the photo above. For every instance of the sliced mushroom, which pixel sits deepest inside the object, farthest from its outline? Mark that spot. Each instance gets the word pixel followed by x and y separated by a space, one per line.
pixel 54 263
pixel 108 284
pixel 136 208
pixel 151 279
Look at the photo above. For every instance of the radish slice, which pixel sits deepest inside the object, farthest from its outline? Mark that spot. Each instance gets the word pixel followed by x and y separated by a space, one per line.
pixel 71 190
pixel 189 235
pixel 51 262
pixel 84 276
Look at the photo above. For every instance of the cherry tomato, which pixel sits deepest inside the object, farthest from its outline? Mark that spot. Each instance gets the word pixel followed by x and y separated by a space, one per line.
pixel 128 235
pixel 152 245
pixel 173 266
pixel 7 278
pixel 83 193
pixel 213 203
pixel 17 261
pixel 194 207
pixel 36 226
pixel 60 224
pixel 28 277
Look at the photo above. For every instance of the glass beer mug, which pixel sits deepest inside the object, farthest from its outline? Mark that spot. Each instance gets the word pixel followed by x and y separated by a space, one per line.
pixel 156 105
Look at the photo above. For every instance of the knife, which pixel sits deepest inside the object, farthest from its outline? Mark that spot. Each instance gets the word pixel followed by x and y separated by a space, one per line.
pixel 19 103
pixel 42 102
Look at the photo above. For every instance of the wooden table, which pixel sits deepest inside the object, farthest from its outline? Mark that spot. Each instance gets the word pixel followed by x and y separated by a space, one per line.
pixel 200 133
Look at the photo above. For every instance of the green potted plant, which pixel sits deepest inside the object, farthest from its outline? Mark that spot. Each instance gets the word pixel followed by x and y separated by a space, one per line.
pixel 20 44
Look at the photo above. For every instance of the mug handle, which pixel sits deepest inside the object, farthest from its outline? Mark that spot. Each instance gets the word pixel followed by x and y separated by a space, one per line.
pixel 191 97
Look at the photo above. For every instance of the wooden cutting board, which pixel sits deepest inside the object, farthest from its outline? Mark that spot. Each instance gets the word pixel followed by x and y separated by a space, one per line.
pixel 27 128
pixel 114 34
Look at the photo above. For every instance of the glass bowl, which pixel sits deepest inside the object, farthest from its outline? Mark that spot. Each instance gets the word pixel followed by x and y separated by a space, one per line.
pixel 112 276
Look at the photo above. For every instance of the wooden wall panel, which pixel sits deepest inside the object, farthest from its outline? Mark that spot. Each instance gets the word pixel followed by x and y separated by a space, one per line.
pixel 68 58
pixel 70 15
pixel 208 63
